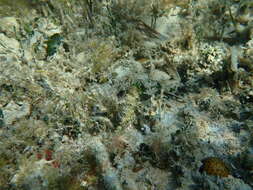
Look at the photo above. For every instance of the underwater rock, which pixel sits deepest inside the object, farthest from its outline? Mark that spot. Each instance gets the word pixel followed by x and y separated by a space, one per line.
pixel 109 175
pixel 159 76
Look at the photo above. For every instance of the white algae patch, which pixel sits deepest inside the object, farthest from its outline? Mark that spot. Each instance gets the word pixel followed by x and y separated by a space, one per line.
pixel 9 26
pixel 12 111
pixel 10 44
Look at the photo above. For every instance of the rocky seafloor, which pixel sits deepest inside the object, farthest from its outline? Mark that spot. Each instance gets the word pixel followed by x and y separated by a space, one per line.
pixel 126 95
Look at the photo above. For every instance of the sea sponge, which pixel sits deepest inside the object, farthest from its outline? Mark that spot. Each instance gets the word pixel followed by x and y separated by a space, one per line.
pixel 215 166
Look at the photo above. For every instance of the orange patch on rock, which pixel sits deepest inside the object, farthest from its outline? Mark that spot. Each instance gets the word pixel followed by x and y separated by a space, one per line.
pixel 215 166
